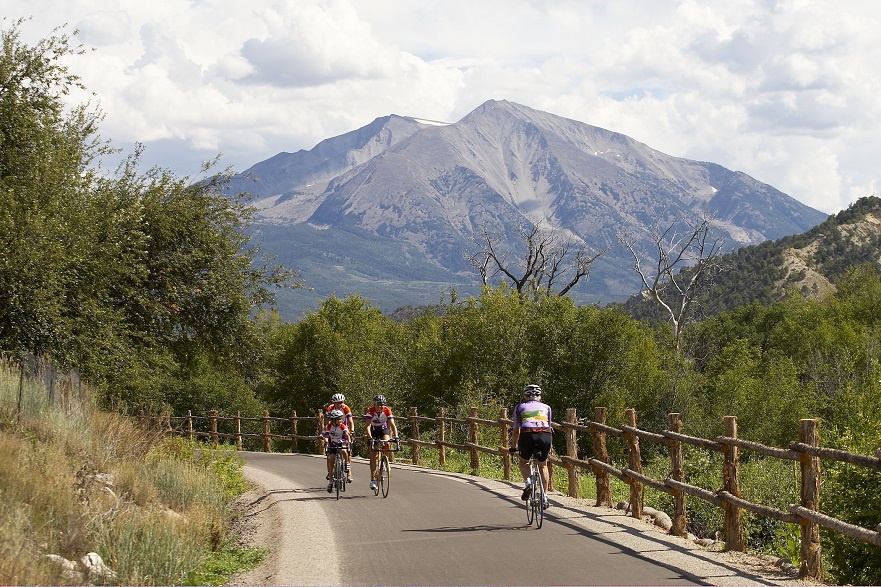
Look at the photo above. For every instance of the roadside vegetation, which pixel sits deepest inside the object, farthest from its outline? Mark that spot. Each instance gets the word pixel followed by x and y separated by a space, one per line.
pixel 78 480
pixel 147 285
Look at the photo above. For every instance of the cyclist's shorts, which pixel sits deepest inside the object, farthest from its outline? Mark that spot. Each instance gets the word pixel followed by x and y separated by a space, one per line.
pixel 378 432
pixel 333 447
pixel 531 441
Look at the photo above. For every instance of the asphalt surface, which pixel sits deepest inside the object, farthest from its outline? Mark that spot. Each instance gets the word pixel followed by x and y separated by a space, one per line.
pixel 438 528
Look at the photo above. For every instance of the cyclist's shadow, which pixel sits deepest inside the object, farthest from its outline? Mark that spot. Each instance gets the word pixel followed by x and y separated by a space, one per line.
pixel 475 528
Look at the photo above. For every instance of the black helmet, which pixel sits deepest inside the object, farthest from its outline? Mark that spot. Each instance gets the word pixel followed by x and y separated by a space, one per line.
pixel 379 399
pixel 532 390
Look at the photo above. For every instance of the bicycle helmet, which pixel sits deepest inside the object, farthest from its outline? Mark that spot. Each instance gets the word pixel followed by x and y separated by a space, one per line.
pixel 335 414
pixel 379 399
pixel 338 397
pixel 532 390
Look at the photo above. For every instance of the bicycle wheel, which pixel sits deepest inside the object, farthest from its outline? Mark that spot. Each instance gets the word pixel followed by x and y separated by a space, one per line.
pixel 338 475
pixel 530 511
pixel 539 496
pixel 377 476
pixel 384 476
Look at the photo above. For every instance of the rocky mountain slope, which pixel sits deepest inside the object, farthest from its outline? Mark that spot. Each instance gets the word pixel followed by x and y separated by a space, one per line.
pixel 810 263
pixel 391 210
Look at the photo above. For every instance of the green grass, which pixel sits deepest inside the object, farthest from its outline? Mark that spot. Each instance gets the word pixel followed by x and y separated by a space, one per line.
pixel 221 564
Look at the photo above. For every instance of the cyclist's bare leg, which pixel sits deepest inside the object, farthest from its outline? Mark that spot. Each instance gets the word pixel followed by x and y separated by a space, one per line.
pixel 385 448
pixel 330 462
pixel 525 470
pixel 373 455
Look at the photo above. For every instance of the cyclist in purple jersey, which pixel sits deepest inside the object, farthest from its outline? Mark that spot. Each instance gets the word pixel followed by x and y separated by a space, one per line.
pixel 532 430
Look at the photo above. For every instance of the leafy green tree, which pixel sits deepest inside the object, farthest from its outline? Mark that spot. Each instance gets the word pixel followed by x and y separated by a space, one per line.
pixel 851 494
pixel 346 346
pixel 45 150
pixel 125 276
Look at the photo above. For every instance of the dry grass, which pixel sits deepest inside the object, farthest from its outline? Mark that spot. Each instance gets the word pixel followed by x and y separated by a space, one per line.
pixel 166 506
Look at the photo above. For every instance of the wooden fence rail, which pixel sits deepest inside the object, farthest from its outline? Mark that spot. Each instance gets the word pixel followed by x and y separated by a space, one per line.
pixel 806 451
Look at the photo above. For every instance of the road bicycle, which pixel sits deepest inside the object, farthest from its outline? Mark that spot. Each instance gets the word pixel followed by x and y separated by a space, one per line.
pixel 381 477
pixel 536 500
pixel 339 469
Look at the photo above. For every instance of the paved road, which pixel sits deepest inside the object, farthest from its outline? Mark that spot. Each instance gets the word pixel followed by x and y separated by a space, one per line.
pixel 442 529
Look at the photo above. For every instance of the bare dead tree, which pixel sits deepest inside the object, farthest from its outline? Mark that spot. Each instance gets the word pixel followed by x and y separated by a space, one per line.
pixel 697 249
pixel 549 261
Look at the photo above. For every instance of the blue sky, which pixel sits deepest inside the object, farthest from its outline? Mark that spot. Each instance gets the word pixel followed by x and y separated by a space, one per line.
pixel 786 91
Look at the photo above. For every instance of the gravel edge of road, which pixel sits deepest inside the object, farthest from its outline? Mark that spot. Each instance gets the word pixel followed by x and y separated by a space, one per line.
pixel 280 516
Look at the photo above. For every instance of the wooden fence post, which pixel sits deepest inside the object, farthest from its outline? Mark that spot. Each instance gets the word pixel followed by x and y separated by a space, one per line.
pixel 414 436
pixel 441 438
pixel 319 423
pixel 239 430
pixel 503 443
pixel 811 561
pixel 572 452
pixel 214 428
pixel 677 474
pixel 294 442
pixel 731 484
pixel 267 441
pixel 189 425
pixel 600 453
pixel 474 438
pixel 634 460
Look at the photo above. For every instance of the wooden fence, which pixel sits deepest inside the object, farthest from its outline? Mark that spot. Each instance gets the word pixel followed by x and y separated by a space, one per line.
pixel 806 451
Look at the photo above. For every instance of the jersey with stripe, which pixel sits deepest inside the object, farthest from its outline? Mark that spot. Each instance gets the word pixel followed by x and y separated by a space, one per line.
pixel 379 418
pixel 335 433
pixel 532 414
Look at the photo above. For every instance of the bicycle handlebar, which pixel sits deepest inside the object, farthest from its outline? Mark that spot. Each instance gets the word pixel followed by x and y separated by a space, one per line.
pixel 379 441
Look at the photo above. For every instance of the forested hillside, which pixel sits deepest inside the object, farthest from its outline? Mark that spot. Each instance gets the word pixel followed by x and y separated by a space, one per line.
pixel 810 263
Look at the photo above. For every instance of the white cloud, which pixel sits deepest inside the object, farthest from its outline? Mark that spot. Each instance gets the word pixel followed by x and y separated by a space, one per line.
pixel 783 90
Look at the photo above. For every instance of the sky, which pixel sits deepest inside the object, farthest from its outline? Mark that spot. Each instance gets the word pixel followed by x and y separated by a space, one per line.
pixel 786 91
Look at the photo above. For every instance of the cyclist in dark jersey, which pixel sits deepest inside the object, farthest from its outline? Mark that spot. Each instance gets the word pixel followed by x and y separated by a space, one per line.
pixel 532 430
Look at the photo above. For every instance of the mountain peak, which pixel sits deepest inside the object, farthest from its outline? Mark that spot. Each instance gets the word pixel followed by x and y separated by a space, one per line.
pixel 427 189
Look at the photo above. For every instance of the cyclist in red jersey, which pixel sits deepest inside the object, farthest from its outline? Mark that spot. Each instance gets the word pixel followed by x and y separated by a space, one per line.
pixel 339 403
pixel 380 425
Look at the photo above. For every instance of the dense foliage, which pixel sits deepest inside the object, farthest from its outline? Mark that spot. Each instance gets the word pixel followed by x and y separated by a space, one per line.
pixel 131 278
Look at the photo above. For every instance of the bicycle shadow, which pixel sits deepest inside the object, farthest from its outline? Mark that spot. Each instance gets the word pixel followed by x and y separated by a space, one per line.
pixel 308 494
pixel 476 528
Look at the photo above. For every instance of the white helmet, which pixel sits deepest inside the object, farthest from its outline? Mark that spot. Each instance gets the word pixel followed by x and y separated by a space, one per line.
pixel 335 414
pixel 532 390
pixel 338 397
